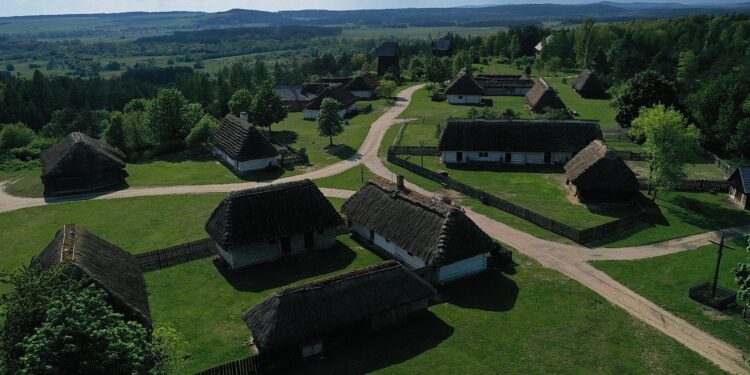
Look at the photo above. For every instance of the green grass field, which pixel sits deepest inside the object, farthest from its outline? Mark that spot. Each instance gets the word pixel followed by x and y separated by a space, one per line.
pixel 666 280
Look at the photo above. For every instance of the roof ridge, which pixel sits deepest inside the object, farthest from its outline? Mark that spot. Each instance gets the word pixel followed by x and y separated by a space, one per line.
pixel 271 187
pixel 439 208
pixel 335 279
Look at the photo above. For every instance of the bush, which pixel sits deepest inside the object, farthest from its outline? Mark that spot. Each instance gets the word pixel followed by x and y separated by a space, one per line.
pixel 15 135
pixel 201 134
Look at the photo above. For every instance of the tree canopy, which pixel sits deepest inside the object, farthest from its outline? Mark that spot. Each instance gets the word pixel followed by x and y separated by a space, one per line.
pixel 330 123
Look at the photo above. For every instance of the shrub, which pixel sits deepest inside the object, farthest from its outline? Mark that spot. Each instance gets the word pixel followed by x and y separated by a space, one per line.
pixel 15 135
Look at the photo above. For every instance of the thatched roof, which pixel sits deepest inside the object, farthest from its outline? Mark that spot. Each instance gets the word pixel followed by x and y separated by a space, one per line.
pixel 587 84
pixel 464 84
pixel 598 168
pixel 274 211
pixel 436 232
pixel 363 82
pixel 335 91
pixel 503 81
pixel 518 135
pixel 742 175
pixel 389 49
pixel 77 154
pixel 542 96
pixel 242 141
pixel 112 268
pixel 309 311
pixel 294 93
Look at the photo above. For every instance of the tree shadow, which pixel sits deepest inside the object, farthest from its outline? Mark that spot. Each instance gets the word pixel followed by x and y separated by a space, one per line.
pixel 422 332
pixel 707 215
pixel 289 270
pixel 341 151
pixel 76 197
pixel 285 137
pixel 489 291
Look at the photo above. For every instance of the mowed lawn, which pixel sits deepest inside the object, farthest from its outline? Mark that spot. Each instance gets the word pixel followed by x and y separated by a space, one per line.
pixel 666 280
pixel 525 319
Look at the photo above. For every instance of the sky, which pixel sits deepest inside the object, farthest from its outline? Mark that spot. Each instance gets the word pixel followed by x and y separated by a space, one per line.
pixel 36 7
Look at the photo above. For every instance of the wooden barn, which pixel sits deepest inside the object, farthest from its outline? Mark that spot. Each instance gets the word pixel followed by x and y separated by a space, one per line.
pixel 389 55
pixel 294 97
pixel 597 173
pixel 364 86
pixel 504 84
pixel 306 320
pixel 267 223
pixel 588 85
pixel 463 89
pixel 113 269
pixel 347 102
pixel 81 164
pixel 739 187
pixel 435 239
pixel 442 47
pixel 543 97
pixel 515 141
pixel 243 147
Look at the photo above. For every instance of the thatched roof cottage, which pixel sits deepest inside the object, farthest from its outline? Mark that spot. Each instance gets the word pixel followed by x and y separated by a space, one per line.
pixel 434 238
pixel 515 141
pixel 463 89
pixel 80 164
pixel 543 97
pixel 301 321
pixel 588 85
pixel 364 86
pixel 598 173
pixel 113 269
pixel 267 223
pixel 739 186
pixel 389 55
pixel 347 101
pixel 504 84
pixel 242 147
pixel 294 97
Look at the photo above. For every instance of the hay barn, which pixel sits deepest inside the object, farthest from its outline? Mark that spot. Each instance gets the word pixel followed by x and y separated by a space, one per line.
pixel 543 97
pixel 598 174
pixel 588 85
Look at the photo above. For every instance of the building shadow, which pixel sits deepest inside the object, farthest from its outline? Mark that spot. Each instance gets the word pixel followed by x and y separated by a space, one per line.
pixel 287 271
pixel 341 151
pixel 422 332
pixel 75 197
pixel 488 291
pixel 707 215
pixel 285 137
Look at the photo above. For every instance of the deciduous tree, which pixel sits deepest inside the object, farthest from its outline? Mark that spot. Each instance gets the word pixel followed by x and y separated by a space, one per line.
pixel 330 123
pixel 645 89
pixel 266 107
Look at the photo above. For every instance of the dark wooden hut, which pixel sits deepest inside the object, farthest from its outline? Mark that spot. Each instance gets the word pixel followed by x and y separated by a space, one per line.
pixel 113 269
pixel 543 97
pixel 294 97
pixel 515 141
pixel 598 173
pixel 80 164
pixel 242 147
pixel 364 86
pixel 588 85
pixel 463 89
pixel 300 321
pixel 442 47
pixel 435 239
pixel 267 223
pixel 347 101
pixel 739 186
pixel 389 55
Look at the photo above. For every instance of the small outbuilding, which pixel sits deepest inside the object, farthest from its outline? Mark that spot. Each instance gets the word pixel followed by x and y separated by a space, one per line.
pixel 304 321
pixel 347 102
pixel 442 47
pixel 268 223
pixel 111 268
pixel 389 56
pixel 739 187
pixel 543 97
pixel 434 238
pixel 588 85
pixel 364 86
pixel 243 147
pixel 597 173
pixel 463 89
pixel 294 97
pixel 81 164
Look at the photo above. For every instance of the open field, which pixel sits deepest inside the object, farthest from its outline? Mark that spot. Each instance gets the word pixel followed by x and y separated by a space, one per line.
pixel 666 280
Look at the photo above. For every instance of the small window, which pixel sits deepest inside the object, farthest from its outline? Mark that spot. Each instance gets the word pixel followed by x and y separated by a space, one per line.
pixel 460 96
pixel 484 154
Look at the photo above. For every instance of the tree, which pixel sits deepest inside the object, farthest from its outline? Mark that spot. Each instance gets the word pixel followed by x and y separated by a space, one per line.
pixel 330 123
pixel 201 134
pixel 241 101
pixel 742 279
pixel 463 59
pixel 15 135
pixel 167 117
pixel 687 67
pixel 359 60
pixel 669 140
pixel 266 108
pixel 645 89
pixel 81 334
pixel 514 48
pixel 387 89
pixel 509 114
pixel 115 135
pixel 583 43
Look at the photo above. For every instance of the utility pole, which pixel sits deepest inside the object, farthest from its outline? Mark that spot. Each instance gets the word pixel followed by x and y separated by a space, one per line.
pixel 718 263
pixel 421 152
pixel 362 173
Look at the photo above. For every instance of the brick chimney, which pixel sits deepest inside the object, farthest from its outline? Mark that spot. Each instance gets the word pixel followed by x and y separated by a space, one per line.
pixel 243 116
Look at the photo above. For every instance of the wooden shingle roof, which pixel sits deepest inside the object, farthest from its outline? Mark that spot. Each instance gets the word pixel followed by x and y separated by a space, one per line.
pixel 518 135
pixel 436 232
pixel 363 82
pixel 464 84
pixel 542 96
pixel 308 311
pixel 336 91
pixel 388 49
pixel 587 84
pixel 274 211
pixel 241 140
pixel 110 267
pixel 598 168
pixel 77 154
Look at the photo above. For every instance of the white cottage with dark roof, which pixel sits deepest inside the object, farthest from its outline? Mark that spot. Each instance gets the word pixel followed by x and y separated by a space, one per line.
pixel 433 238
pixel 242 147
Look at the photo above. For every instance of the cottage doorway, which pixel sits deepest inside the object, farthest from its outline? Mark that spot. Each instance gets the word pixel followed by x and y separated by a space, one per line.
pixel 286 245
pixel 547 157
pixel 508 157
pixel 459 156
pixel 309 240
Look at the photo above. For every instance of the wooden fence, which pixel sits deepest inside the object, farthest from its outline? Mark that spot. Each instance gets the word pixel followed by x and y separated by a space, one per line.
pixel 172 256
pixel 414 150
pixel 721 164
pixel 630 155
pixel 705 186
pixel 247 366
pixel 554 226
